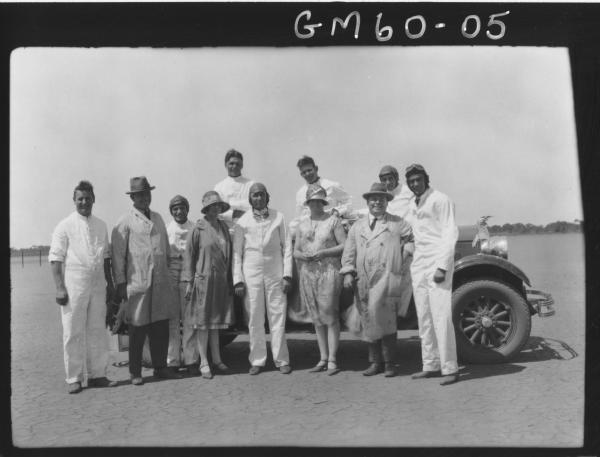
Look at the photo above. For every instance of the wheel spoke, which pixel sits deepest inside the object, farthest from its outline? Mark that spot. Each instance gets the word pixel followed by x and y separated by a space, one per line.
pixel 500 331
pixel 495 307
pixel 470 327
pixel 469 319
pixel 503 323
pixel 475 335
pixel 484 339
pixel 494 338
pixel 500 314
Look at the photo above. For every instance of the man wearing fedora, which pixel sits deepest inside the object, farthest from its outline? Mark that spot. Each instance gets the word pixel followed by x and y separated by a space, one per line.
pixel 140 250
pixel 80 262
pixel 177 230
pixel 372 267
pixel 432 218
pixel 262 273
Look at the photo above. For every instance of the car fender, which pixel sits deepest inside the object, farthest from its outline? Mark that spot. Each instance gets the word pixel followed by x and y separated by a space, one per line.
pixel 473 261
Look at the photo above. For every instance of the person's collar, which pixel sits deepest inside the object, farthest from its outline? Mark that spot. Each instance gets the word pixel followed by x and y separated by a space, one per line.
pixel 424 195
pixel 371 217
pixel 147 214
pixel 236 178
pixel 83 218
pixel 261 213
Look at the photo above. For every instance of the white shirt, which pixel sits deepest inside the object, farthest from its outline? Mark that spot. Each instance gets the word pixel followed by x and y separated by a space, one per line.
pixel 434 229
pixel 81 243
pixel 177 238
pixel 234 191
pixel 337 198
pixel 399 206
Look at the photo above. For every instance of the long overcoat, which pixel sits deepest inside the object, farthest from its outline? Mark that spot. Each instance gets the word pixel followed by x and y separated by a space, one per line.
pixel 375 257
pixel 140 250
pixel 208 267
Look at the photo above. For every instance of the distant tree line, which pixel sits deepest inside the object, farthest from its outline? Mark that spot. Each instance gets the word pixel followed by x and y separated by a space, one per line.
pixel 525 229
pixel 33 250
pixel 506 229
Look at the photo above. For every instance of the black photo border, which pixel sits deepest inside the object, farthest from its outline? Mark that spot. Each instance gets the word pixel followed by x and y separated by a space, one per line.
pixel 575 26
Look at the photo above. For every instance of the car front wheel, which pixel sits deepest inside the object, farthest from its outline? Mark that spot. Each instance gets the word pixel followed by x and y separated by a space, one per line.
pixel 491 320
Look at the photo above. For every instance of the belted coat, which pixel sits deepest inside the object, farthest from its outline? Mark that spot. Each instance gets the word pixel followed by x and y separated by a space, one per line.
pixel 375 257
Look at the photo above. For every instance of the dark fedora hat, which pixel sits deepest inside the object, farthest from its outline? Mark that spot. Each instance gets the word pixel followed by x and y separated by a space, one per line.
pixel 139 184
pixel 378 188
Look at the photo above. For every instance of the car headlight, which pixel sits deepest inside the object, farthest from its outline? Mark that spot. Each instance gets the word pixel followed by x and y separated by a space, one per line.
pixel 496 245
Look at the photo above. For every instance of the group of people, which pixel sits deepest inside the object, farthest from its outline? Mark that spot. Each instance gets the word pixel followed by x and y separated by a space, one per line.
pixel 185 275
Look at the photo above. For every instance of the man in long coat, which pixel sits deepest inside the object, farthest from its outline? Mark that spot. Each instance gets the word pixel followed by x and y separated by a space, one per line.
pixel 373 256
pixel 140 250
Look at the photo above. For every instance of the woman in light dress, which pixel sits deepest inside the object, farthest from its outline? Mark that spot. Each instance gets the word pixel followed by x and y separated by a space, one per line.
pixel 320 240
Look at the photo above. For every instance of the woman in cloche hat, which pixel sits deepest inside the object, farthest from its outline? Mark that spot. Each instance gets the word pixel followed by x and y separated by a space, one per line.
pixel 320 239
pixel 207 268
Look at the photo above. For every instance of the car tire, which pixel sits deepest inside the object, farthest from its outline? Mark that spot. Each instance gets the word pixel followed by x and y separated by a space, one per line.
pixel 491 319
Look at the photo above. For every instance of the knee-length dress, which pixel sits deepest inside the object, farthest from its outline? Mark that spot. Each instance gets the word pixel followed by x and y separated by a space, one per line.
pixel 320 282
pixel 207 262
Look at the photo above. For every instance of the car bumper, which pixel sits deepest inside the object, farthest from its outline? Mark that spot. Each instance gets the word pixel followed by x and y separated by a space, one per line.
pixel 542 302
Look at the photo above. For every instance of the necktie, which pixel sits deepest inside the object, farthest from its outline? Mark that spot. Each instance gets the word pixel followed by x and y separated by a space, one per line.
pixel 372 225
pixel 417 200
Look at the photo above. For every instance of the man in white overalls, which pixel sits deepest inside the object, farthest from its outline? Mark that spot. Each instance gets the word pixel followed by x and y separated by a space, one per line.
pixel 431 216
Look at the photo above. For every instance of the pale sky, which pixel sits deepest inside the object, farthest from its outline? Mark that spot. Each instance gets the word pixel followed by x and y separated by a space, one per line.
pixel 494 126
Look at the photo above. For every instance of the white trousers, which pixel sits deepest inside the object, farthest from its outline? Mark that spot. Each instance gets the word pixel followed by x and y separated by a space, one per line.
pixel 85 339
pixel 265 294
pixel 434 313
pixel 174 353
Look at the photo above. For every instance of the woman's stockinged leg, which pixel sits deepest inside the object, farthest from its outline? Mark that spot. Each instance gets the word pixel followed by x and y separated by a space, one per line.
pixel 215 350
pixel 203 346
pixel 321 331
pixel 333 340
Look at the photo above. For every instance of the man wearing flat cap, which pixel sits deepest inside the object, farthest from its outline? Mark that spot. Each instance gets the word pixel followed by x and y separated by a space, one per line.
pixel 262 272
pixel 140 251
pixel 372 266
pixel 432 219
pixel 177 230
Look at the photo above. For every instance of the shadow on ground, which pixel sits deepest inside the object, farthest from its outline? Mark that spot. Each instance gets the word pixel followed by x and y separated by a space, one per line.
pixel 539 349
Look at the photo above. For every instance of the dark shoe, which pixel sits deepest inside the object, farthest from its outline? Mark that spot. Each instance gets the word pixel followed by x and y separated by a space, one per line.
pixel 222 368
pixel 137 380
pixel 254 370
pixel 285 369
pixel 101 382
pixel 373 369
pixel 74 387
pixel 449 379
pixel 390 370
pixel 193 370
pixel 166 373
pixel 425 374
pixel 320 366
pixel 332 368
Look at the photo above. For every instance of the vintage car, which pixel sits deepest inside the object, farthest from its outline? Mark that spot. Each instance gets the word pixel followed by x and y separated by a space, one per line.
pixel 492 301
